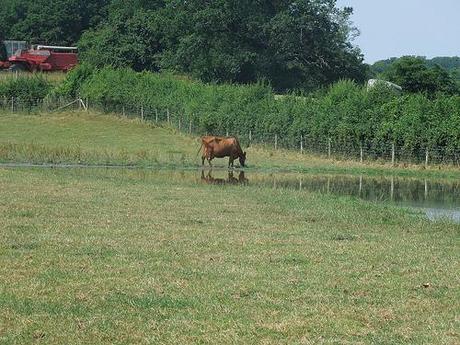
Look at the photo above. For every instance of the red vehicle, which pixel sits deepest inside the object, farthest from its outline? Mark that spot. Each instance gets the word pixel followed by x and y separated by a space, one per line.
pixel 5 64
pixel 44 58
pixel 9 48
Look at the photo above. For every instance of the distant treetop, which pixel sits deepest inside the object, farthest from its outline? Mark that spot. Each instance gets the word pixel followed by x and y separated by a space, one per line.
pixel 417 74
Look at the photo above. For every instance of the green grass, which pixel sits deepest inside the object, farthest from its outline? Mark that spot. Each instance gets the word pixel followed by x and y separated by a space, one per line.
pixel 159 257
pixel 90 139
pixel 79 137
pixel 96 256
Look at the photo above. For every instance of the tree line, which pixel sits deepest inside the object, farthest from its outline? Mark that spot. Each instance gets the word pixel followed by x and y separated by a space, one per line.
pixel 292 45
pixel 449 63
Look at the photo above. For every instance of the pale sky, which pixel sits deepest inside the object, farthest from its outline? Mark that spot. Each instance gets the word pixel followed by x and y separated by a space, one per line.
pixel 406 27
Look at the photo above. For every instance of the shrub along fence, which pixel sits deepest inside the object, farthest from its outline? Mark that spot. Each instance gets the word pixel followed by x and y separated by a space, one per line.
pixel 345 120
pixel 328 147
pixel 34 105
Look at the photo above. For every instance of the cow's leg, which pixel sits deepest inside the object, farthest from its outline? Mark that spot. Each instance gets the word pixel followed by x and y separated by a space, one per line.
pixel 230 161
pixel 204 155
pixel 209 156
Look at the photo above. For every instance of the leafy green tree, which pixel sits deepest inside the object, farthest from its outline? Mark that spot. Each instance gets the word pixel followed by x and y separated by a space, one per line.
pixel 381 66
pixel 10 13
pixel 59 22
pixel 132 41
pixel 412 74
pixel 450 64
pixel 309 46
pixel 2 49
pixel 292 45
pixel 441 80
pixel 447 62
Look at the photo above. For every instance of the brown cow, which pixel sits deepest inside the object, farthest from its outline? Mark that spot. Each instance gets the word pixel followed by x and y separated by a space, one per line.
pixel 219 147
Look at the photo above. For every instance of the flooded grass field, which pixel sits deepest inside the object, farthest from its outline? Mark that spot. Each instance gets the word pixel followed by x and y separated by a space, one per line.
pixel 438 198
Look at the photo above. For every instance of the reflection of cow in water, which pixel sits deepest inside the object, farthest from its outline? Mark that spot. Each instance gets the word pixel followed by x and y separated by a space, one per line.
pixel 230 180
pixel 220 147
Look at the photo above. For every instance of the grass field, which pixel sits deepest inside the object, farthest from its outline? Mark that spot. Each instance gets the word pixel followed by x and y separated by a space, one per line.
pixel 120 256
pixel 115 256
pixel 79 137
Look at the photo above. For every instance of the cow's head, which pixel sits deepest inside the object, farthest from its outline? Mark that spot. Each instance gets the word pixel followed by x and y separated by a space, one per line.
pixel 242 159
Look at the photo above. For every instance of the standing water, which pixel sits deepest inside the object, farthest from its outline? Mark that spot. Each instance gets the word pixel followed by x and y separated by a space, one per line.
pixel 439 199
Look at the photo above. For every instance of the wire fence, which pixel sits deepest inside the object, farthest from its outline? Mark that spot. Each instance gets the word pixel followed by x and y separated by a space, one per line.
pixel 325 147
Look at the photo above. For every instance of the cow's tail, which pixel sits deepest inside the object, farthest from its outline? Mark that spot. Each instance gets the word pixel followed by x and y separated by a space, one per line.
pixel 199 149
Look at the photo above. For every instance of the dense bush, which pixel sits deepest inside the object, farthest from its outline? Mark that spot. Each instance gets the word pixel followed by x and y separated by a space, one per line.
pixel 346 112
pixel 26 89
pixel 70 87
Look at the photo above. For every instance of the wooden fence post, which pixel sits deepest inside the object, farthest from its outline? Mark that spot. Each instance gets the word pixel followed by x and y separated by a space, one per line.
pixel 329 148
pixel 179 124
pixel 190 127
pixel 392 188
pixel 393 154
pixel 250 136
pixel 123 110
pixel 142 112
pixel 276 141
pixel 426 158
pixel 12 104
pixel 156 115
pixel 167 114
pixel 301 144
pixel 361 153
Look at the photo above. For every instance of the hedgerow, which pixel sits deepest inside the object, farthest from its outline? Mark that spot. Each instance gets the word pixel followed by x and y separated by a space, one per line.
pixel 346 112
pixel 28 90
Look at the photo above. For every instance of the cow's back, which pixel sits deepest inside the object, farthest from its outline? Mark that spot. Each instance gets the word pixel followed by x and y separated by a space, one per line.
pixel 225 147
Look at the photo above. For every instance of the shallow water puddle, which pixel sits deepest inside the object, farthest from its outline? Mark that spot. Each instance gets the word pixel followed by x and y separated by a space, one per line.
pixel 439 199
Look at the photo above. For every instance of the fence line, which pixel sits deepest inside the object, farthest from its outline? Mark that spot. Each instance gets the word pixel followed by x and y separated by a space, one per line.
pixel 326 147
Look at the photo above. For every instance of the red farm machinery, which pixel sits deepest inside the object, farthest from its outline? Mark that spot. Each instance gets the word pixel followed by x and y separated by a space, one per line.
pixel 38 57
